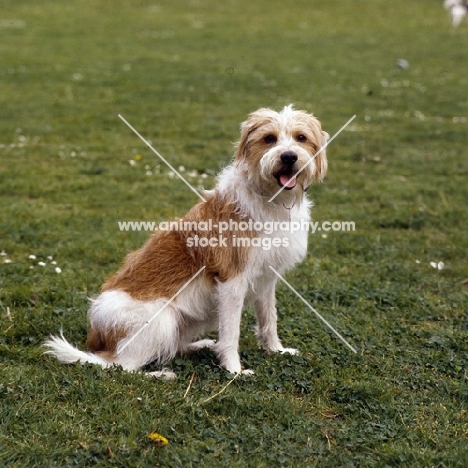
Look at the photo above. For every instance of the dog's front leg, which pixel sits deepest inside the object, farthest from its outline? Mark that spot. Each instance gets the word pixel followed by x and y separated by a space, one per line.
pixel 267 333
pixel 231 296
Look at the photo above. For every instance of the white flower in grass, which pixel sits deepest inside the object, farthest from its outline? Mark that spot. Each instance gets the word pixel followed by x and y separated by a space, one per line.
pixel 438 265
pixel 419 115
pixel 3 253
pixel 32 257
pixel 7 260
pixel 58 270
pixel 42 264
pixel 50 258
pixel 402 63
pixel 418 261
pixel 181 169
pixel 170 174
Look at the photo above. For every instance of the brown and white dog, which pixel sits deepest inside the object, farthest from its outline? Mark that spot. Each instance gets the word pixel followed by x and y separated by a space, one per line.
pixel 273 147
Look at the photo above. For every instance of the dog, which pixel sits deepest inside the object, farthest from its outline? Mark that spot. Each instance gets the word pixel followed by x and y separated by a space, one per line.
pixel 458 10
pixel 173 290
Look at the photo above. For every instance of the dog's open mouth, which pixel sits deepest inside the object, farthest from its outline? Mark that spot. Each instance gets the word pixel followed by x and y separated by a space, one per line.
pixel 286 179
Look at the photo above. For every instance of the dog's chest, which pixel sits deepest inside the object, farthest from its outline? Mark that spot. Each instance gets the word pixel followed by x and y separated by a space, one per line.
pixel 280 249
pixel 287 239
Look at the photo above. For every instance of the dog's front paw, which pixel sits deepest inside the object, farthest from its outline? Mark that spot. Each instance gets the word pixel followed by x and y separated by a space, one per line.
pixel 242 372
pixel 233 367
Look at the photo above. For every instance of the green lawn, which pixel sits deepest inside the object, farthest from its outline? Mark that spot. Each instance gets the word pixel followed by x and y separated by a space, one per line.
pixel 185 74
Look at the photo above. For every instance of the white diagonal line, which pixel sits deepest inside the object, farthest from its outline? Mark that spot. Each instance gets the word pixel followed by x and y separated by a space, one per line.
pixel 315 155
pixel 162 159
pixel 313 310
pixel 161 309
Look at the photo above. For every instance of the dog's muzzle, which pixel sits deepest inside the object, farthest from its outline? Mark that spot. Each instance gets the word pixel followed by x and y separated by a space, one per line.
pixel 286 175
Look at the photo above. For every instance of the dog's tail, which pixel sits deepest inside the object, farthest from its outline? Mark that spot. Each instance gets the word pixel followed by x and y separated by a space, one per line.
pixel 68 354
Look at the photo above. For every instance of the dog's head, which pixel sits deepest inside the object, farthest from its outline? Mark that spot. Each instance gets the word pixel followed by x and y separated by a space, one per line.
pixel 281 150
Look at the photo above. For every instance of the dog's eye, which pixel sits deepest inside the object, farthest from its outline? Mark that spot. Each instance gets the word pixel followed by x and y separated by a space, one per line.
pixel 270 139
pixel 301 138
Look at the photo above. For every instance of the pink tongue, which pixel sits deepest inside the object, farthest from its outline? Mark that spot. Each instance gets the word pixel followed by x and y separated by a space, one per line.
pixel 288 181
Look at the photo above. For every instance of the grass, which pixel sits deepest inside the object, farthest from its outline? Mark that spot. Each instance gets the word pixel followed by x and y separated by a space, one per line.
pixel 185 73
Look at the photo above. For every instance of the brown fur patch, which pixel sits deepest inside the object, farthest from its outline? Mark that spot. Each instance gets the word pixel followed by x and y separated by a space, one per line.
pixel 105 343
pixel 165 263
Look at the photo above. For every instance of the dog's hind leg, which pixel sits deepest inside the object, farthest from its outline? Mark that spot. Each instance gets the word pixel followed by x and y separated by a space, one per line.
pixel 150 340
pixel 151 329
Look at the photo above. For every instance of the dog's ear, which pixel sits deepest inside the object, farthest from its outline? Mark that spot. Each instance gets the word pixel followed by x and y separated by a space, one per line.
pixel 241 145
pixel 246 129
pixel 321 163
pixel 253 123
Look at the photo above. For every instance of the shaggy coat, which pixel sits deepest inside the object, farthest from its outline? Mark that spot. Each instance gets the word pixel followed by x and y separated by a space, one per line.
pixel 169 293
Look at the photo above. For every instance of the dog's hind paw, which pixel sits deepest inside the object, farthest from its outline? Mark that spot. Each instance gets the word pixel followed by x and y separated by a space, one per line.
pixel 292 351
pixel 164 374
pixel 196 345
pixel 247 372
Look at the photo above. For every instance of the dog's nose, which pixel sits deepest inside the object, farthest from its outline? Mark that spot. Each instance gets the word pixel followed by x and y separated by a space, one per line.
pixel 289 157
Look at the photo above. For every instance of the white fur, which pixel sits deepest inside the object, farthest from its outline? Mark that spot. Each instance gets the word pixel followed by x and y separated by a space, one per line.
pixel 458 10
pixel 68 354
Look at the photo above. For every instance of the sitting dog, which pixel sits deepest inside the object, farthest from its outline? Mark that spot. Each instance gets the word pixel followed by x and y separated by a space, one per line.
pixel 173 290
